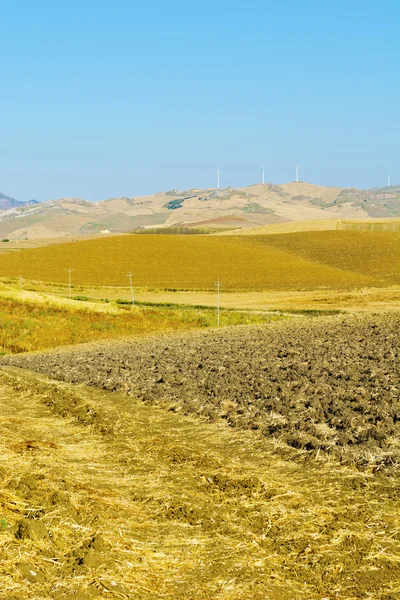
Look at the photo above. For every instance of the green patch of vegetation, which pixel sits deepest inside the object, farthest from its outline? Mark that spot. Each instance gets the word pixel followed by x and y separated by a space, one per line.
pixel 101 326
pixel 3 524
pixel 91 226
pixel 174 204
pixel 254 207
pixel 317 202
pixel 311 312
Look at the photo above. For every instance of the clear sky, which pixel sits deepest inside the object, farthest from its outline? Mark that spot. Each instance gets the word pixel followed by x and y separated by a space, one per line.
pixel 124 97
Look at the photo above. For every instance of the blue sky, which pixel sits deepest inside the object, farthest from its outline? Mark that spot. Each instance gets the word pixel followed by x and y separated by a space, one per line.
pixel 108 98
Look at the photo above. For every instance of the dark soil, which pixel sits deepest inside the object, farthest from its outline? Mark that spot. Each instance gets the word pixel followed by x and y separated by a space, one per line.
pixel 330 384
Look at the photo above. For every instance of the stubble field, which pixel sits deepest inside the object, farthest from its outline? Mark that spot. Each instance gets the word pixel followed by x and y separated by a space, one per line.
pixel 104 498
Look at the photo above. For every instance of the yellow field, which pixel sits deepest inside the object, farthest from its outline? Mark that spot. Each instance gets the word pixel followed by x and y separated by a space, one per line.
pixel 372 253
pixel 303 261
pixel 321 225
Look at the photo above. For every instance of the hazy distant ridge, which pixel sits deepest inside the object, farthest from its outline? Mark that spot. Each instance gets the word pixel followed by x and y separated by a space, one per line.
pixel 253 206
pixel 7 203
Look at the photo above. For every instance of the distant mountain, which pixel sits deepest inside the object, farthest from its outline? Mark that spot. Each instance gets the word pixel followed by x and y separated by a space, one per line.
pixel 7 203
pixel 233 208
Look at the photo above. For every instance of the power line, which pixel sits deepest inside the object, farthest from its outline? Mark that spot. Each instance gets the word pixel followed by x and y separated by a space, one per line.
pixel 70 282
pixel 130 275
pixel 218 286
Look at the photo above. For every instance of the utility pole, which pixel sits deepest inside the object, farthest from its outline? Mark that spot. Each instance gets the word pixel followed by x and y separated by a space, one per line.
pixel 130 275
pixel 69 282
pixel 218 286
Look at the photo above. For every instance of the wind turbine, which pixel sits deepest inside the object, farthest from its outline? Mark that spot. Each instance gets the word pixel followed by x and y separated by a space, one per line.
pixel 264 168
pixel 388 178
pixel 297 166
pixel 218 174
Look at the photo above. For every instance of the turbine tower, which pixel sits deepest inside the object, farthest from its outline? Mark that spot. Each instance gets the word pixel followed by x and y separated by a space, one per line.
pixel 218 174
pixel 388 177
pixel 297 171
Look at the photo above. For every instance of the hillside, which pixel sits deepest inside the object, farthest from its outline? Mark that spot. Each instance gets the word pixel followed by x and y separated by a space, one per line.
pixel 229 208
pixel 303 261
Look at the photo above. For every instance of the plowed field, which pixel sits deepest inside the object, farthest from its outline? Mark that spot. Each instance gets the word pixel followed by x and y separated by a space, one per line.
pixel 330 385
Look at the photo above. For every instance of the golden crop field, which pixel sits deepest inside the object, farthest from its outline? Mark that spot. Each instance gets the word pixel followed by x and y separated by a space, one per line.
pixel 372 253
pixel 376 225
pixel 317 260
pixel 391 224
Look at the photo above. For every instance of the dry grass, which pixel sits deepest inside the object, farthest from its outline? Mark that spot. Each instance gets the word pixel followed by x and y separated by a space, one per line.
pixel 40 294
pixel 363 299
pixel 190 262
pixel 120 501
pixel 30 321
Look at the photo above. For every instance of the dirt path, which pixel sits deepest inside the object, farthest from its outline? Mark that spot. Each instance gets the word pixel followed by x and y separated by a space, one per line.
pixel 103 499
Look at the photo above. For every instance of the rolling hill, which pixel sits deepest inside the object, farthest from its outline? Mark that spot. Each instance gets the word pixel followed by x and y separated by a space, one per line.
pixel 296 261
pixel 243 208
